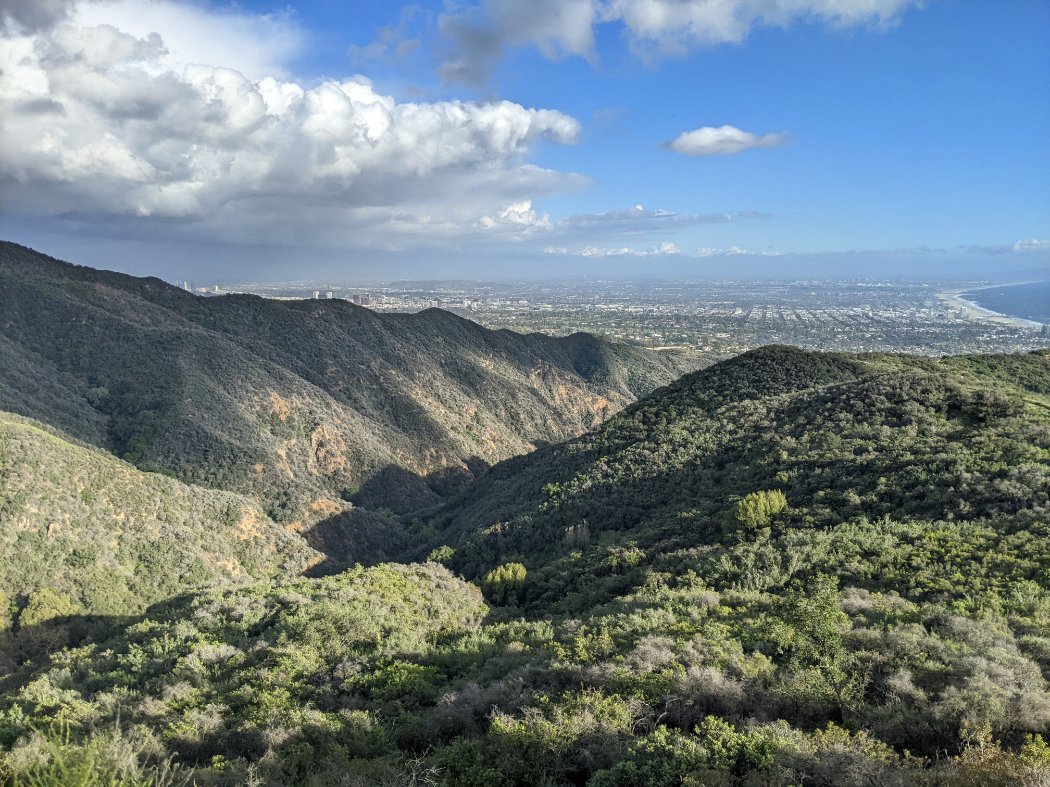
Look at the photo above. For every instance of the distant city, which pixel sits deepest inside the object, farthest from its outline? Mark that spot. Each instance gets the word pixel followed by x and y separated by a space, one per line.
pixel 716 319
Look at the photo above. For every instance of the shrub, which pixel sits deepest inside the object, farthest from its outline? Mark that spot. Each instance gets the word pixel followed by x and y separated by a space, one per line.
pixel 442 554
pixel 757 509
pixel 503 583
pixel 45 605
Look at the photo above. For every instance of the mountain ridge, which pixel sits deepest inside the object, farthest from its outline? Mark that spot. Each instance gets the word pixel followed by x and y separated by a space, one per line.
pixel 293 402
pixel 762 421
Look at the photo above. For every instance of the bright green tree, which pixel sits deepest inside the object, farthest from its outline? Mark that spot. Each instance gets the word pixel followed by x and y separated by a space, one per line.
pixel 502 584
pixel 757 509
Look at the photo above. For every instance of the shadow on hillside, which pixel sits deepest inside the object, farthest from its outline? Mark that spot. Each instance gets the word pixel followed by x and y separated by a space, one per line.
pixel 355 536
pixel 403 492
pixel 373 531
pixel 26 649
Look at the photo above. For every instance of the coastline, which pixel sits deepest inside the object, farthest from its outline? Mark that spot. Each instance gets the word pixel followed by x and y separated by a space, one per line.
pixel 953 299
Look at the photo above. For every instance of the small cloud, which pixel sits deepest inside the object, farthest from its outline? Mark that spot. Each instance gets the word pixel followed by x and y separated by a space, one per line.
pixel 1022 246
pixel 722 141
pixel 519 215
pixel 625 251
pixel 732 251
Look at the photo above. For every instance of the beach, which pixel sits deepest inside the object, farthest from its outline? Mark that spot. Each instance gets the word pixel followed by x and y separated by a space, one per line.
pixel 954 300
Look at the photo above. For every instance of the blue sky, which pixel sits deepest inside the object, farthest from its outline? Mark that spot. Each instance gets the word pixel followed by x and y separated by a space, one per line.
pixel 510 138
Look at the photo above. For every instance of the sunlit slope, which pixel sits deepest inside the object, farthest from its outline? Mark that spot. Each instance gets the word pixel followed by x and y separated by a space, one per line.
pixel 106 538
pixel 301 403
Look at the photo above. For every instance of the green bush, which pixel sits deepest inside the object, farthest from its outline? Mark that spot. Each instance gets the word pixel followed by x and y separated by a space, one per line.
pixel 758 509
pixel 442 554
pixel 503 583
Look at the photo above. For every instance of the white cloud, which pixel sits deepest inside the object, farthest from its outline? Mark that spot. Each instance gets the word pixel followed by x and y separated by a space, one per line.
pixel 625 251
pixel 133 109
pixel 479 34
pixel 722 141
pixel 732 251
pixel 1032 244
pixel 663 249
pixel 518 215
pixel 519 220
pixel 256 45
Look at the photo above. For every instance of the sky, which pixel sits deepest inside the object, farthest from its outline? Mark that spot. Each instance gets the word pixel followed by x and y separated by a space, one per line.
pixel 508 139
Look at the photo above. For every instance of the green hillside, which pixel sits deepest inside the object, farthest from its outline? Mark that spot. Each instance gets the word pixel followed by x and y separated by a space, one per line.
pixel 885 448
pixel 299 404
pixel 83 533
pixel 790 568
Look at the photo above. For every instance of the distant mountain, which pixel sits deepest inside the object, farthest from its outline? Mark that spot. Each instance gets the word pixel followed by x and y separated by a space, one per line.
pixel 894 445
pixel 82 532
pixel 302 405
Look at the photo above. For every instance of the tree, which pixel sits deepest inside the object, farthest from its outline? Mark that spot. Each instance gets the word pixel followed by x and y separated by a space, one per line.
pixel 501 584
pixel 818 643
pixel 757 509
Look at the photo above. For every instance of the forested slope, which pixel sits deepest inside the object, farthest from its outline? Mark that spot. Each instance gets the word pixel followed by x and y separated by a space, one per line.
pixel 694 477
pixel 791 568
pixel 83 533
pixel 298 404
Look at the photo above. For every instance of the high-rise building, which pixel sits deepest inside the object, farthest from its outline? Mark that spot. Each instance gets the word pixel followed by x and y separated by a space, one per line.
pixel 317 295
pixel 329 295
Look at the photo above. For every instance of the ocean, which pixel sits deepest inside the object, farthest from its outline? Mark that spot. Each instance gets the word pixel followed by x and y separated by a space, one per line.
pixel 1030 301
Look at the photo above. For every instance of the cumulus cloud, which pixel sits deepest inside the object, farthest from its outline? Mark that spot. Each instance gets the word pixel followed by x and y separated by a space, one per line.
pixel 722 141
pixel 256 45
pixel 134 117
pixel 479 34
pixel 518 215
